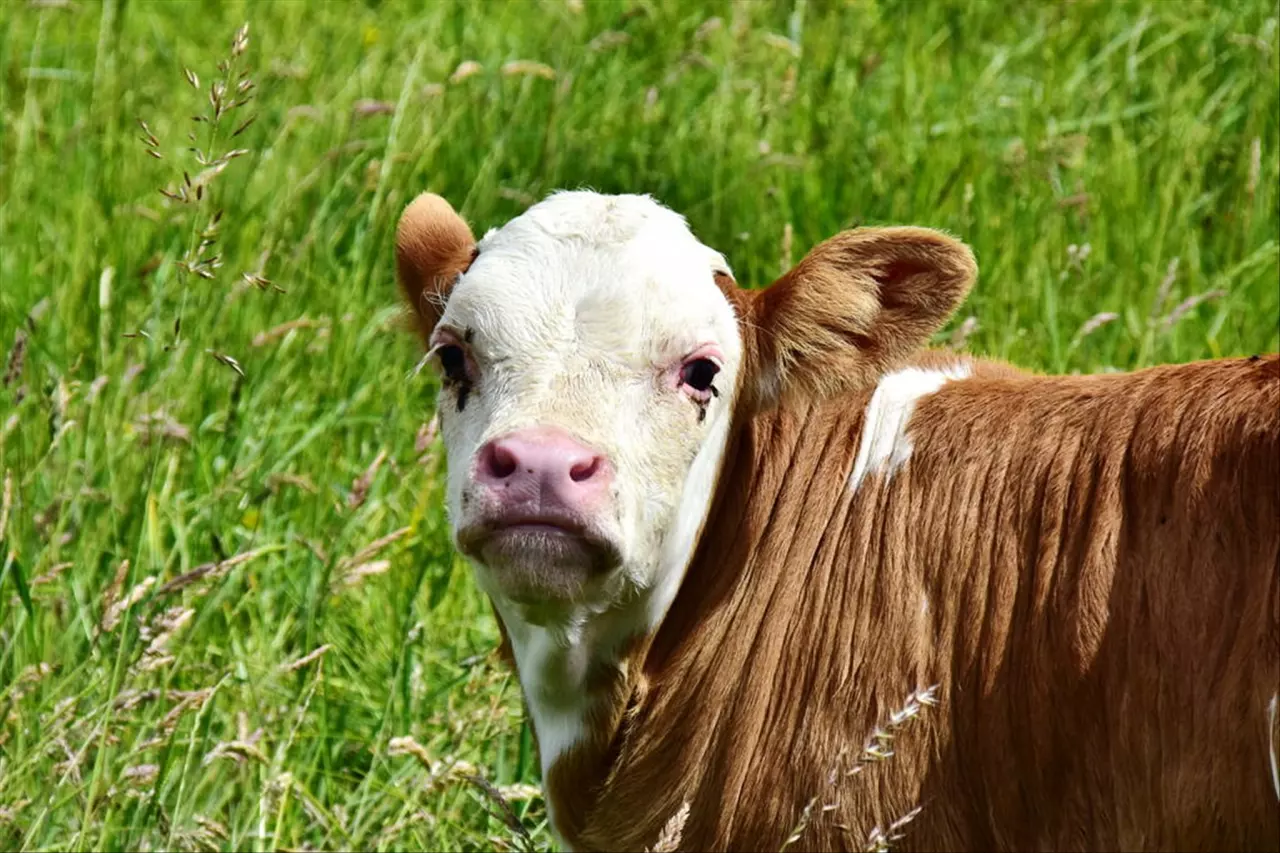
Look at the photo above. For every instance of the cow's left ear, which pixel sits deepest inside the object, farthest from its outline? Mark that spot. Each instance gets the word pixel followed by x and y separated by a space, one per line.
pixel 854 307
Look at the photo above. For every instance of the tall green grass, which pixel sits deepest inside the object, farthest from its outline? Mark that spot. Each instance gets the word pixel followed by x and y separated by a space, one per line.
pixel 229 614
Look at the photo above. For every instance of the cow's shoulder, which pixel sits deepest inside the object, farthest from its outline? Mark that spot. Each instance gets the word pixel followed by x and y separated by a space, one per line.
pixel 974 367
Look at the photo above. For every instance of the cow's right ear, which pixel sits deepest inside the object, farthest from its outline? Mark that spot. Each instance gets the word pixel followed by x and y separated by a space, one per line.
pixel 434 246
pixel 855 306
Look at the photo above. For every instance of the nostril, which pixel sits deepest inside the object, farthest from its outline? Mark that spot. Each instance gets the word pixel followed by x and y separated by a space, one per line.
pixel 499 461
pixel 585 470
pixel 530 461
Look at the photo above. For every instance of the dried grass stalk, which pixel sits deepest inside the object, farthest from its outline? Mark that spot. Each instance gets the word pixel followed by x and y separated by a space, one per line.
pixel 672 831
pixel 1094 323
pixel 373 548
pixel 1185 306
pixel 17 357
pixel 1166 287
pixel 528 68
pixel 310 657
pixel 360 486
pixel 466 68
pixel 111 618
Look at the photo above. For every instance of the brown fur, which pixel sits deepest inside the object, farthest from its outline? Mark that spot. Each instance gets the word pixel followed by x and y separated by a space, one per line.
pixel 434 246
pixel 1101 558
pixel 1101 561
pixel 857 304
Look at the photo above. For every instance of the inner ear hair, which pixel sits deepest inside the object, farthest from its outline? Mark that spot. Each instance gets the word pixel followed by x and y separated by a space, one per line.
pixel 434 247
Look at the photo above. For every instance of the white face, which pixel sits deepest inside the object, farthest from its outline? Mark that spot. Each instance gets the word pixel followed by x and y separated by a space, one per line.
pixel 590 363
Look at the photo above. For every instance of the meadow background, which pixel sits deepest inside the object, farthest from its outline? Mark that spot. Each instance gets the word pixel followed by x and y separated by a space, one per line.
pixel 229 614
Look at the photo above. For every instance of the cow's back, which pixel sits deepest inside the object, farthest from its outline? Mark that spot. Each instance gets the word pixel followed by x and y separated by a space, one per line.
pixel 1113 684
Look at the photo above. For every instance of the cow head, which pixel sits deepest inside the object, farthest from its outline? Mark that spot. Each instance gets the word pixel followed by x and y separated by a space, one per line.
pixel 593 356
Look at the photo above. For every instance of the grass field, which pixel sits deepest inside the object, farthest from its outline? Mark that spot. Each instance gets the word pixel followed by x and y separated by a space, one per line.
pixel 229 614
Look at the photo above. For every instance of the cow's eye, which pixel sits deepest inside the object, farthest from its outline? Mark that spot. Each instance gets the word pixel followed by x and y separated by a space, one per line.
pixel 453 362
pixel 699 374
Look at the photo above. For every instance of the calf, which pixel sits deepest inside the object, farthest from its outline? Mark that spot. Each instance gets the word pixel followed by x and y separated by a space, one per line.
pixel 729 533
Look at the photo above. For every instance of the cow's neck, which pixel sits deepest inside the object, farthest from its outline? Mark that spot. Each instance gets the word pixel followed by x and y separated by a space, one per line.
pixel 770 511
pixel 675 710
pixel 577 678
pixel 644 707
pixel 581 669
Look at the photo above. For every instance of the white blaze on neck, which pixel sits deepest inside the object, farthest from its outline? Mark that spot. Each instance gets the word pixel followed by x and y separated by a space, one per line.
pixel 885 445
pixel 552 662
pixel 551 666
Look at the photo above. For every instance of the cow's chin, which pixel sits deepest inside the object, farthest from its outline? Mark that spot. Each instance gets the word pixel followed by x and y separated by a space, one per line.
pixel 540 564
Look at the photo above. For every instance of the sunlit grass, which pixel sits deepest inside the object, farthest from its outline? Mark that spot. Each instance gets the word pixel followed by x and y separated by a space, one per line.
pixel 229 614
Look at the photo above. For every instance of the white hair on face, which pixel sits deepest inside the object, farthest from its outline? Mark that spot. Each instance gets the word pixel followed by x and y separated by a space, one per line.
pixel 579 313
pixel 601 220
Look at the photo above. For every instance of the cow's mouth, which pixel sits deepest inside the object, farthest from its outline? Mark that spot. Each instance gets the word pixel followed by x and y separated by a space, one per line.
pixel 539 557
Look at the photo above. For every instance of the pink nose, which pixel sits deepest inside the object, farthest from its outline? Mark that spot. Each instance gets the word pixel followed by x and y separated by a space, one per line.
pixel 545 465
